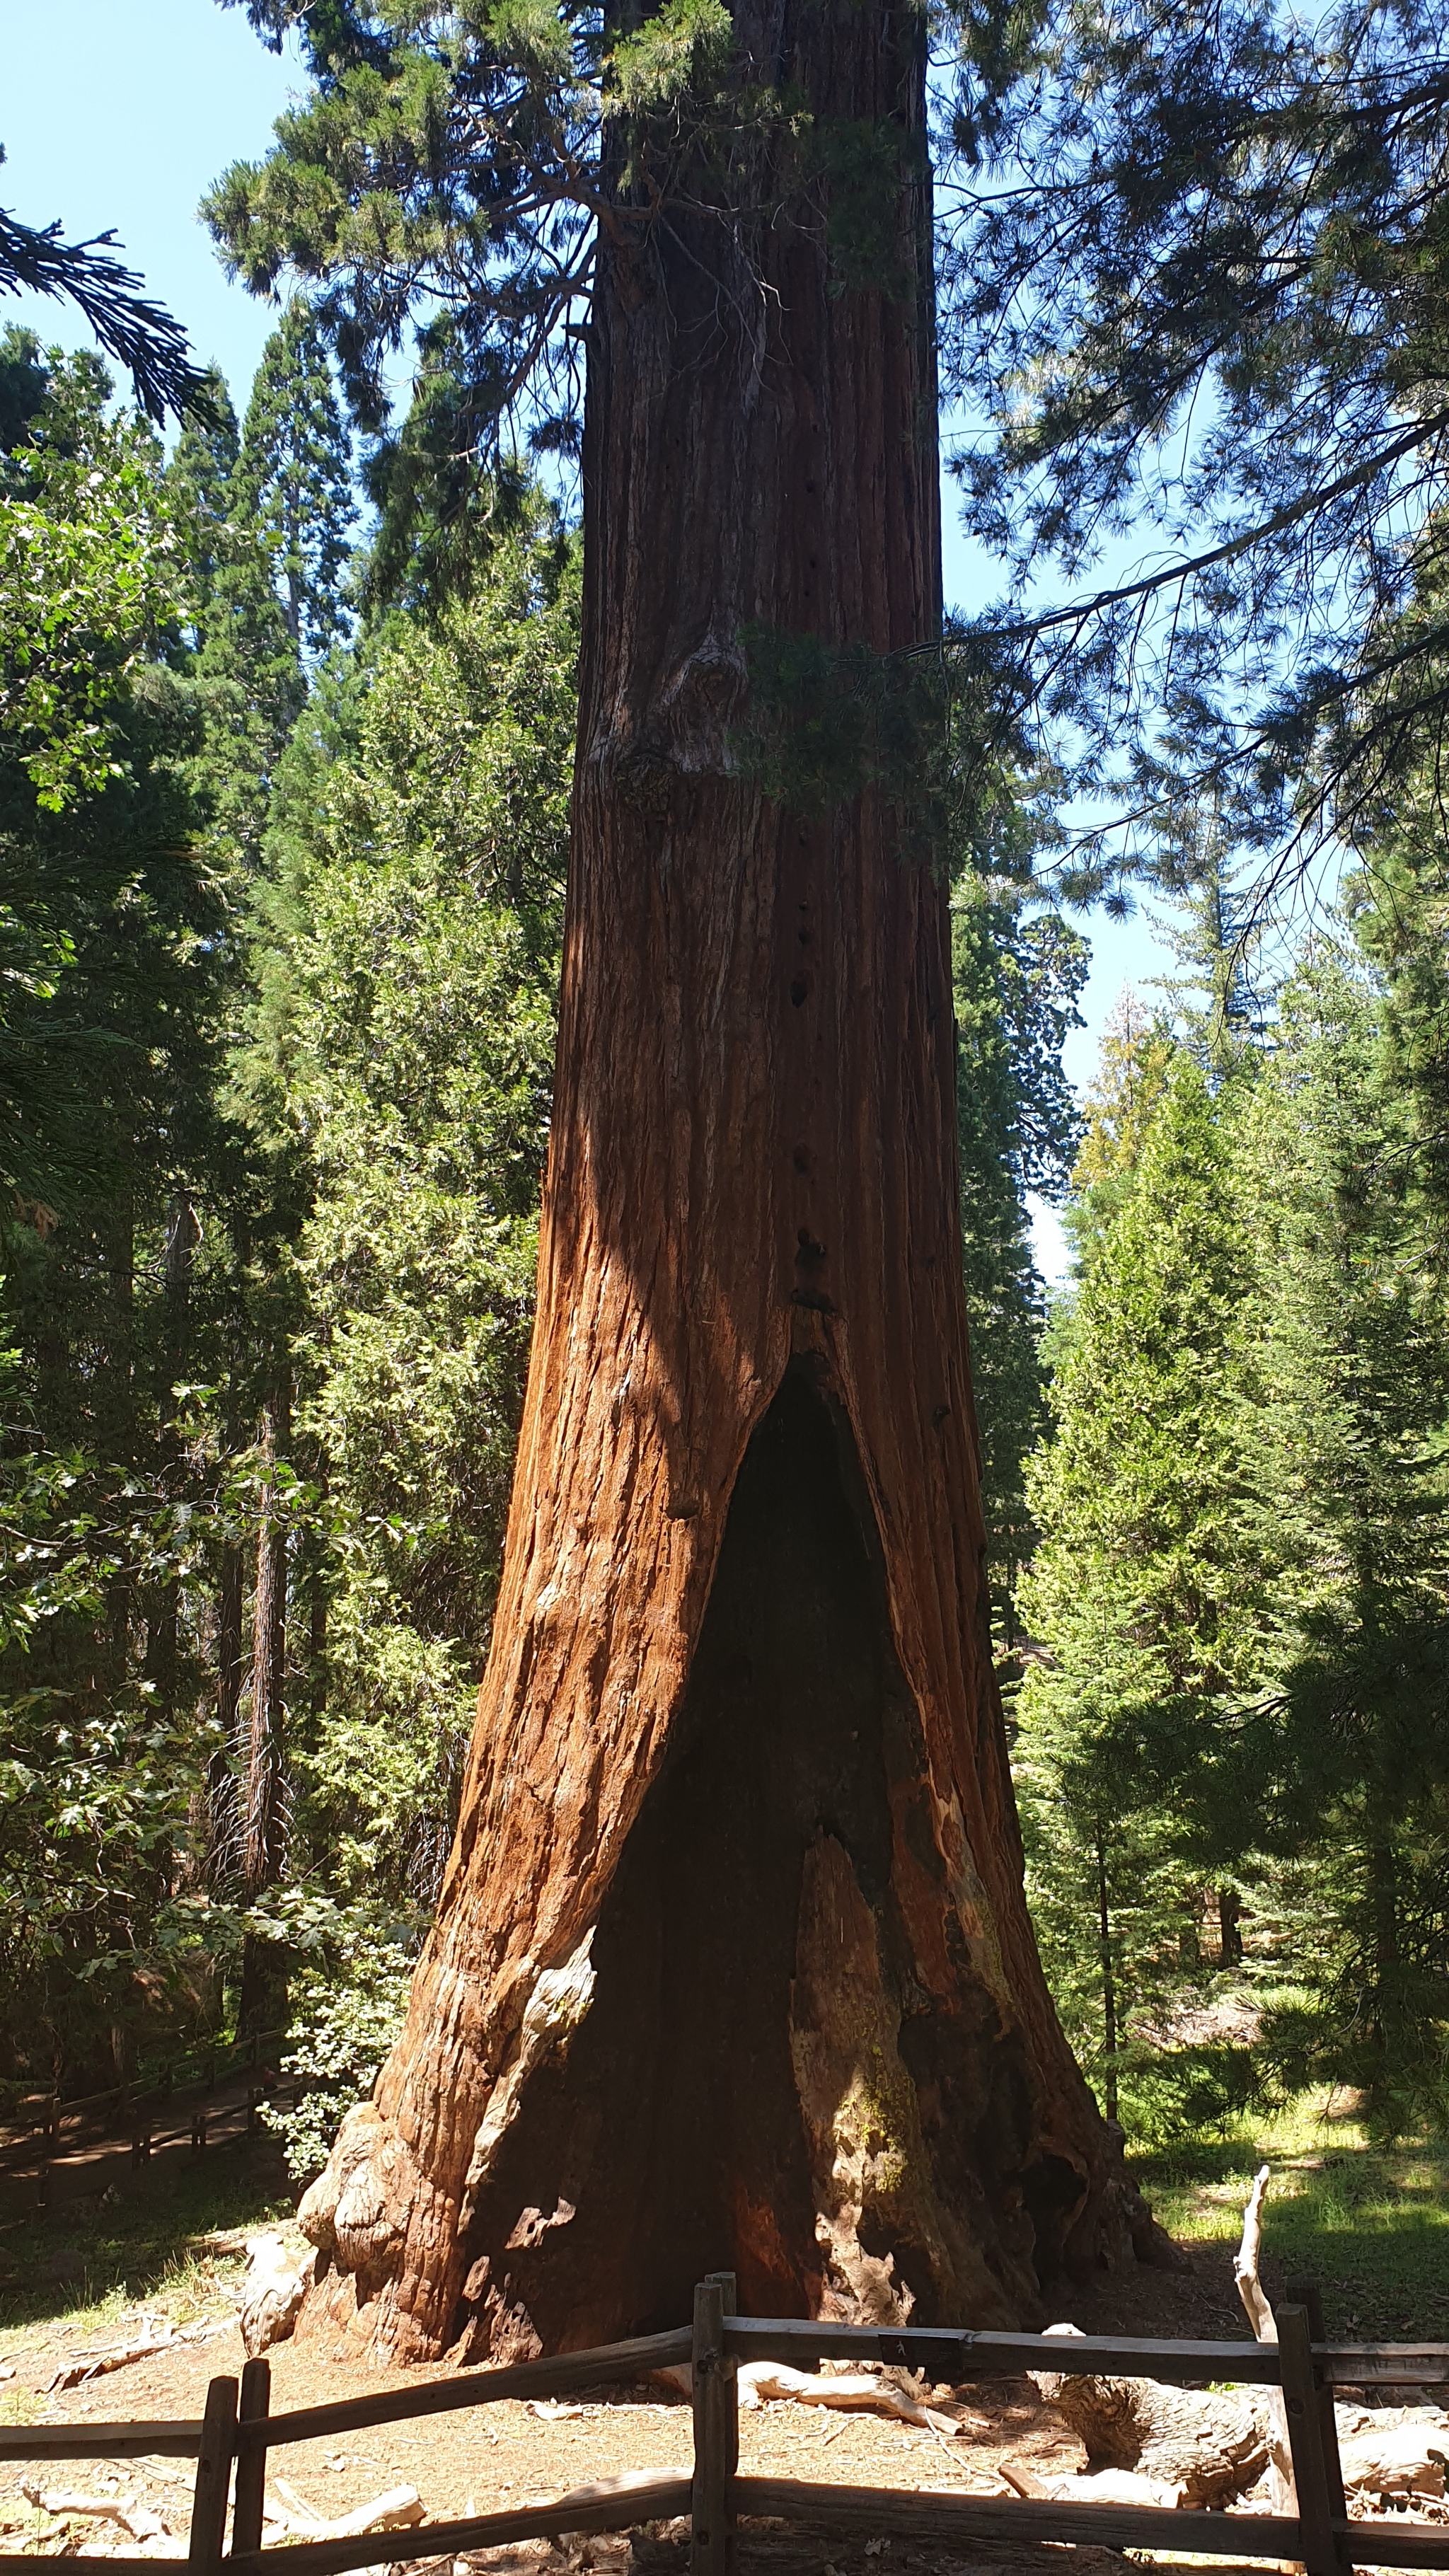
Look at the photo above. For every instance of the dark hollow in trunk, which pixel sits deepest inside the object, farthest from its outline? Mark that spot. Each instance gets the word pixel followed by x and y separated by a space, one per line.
pixel 698 2116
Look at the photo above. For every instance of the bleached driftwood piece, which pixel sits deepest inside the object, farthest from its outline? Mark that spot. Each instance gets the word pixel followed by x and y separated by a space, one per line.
pixel 153 2338
pixel 273 2291
pixel 396 2510
pixel 1397 2460
pixel 1284 2495
pixel 133 2516
pixel 857 2391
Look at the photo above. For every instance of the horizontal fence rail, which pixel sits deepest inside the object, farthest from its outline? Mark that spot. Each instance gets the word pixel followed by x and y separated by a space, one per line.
pixel 238 2432
pixel 964 2356
pixel 176 2439
pixel 572 2370
pixel 209 2063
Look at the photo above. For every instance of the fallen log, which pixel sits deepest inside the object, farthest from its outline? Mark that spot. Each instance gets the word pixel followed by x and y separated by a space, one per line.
pixel 152 2339
pixel 1397 2460
pixel 1210 2447
pixel 399 2509
pixel 1207 2448
pixel 856 2391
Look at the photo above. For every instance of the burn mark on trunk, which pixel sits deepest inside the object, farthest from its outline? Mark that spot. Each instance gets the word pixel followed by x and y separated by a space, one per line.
pixel 789 2062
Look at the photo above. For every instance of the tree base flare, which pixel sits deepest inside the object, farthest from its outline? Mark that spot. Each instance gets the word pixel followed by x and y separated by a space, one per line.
pixel 787 2045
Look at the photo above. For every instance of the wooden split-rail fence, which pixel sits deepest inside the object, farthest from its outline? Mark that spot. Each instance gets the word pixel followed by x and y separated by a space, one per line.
pixel 233 2440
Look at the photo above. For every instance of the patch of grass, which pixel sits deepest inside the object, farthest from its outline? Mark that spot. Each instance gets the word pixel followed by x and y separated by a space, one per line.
pixel 1370 2223
pixel 75 2267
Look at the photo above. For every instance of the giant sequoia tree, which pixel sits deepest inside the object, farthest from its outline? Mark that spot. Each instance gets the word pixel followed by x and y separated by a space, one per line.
pixel 731 1962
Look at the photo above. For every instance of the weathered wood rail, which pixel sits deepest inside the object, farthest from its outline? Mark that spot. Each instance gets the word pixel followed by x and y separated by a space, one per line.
pixel 238 2431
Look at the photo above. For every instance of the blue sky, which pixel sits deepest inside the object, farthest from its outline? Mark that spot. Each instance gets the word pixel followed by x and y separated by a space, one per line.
pixel 120 116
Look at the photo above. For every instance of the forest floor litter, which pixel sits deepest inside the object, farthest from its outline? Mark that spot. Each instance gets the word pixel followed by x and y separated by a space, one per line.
pixel 149 2355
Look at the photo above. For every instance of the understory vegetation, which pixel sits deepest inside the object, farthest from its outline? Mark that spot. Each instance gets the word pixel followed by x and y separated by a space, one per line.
pixel 1231 1744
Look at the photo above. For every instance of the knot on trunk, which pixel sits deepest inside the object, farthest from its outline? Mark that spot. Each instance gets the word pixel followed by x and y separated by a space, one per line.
pixel 686 732
pixel 356 2212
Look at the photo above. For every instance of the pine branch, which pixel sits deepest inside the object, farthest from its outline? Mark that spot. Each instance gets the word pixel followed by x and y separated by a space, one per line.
pixel 130 325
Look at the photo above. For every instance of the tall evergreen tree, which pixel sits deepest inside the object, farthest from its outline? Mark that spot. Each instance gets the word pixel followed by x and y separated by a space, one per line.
pixel 1351 1526
pixel 293 480
pixel 750 1338
pixel 275 507
pixel 1139 1597
pixel 116 937
pixel 1134 1060
pixel 403 1042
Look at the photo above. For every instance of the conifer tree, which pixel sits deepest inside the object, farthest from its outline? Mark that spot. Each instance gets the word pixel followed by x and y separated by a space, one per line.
pixel 407 965
pixel 1350 1526
pixel 276 506
pixel 292 486
pixel 1139 1595
pixel 1017 970
pixel 1203 289
pixel 1133 1063
pixel 115 939
pixel 203 465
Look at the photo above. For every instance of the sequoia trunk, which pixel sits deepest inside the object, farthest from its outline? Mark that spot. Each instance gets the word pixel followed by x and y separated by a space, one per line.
pixel 732 1965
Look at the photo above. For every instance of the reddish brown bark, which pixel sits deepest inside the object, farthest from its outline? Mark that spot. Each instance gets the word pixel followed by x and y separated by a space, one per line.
pixel 732 1963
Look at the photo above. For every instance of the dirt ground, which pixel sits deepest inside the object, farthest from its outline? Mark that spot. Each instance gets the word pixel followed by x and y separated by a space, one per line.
pixel 514 2453
pixel 509 2453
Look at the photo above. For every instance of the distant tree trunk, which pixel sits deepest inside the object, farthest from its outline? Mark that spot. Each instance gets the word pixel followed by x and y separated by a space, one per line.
pixel 1230 1928
pixel 163 1627
pixel 1109 1984
pixel 114 1427
pixel 1384 1903
pixel 732 1963
pixel 262 1983
pixel 230 1597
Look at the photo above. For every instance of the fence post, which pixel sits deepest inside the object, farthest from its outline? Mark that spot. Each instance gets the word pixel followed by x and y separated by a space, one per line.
pixel 251 2460
pixel 1307 2295
pixel 1317 2537
pixel 731 2376
pixel 213 2477
pixel 715 2436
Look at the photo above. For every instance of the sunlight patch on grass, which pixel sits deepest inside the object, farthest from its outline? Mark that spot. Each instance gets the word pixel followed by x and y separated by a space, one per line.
pixel 1370 2223
pixel 76 2269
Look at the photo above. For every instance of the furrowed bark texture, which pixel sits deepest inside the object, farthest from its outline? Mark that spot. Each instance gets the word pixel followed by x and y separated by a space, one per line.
pixel 732 1964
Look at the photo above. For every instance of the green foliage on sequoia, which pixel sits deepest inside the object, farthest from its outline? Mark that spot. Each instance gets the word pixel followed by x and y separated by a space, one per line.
pixel 1200 289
